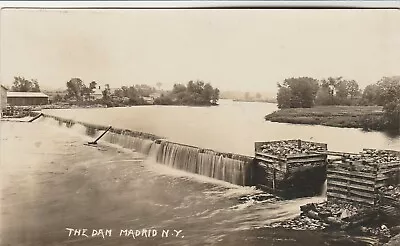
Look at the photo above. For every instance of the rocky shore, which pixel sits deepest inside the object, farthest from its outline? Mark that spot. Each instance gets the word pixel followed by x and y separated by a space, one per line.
pixel 367 223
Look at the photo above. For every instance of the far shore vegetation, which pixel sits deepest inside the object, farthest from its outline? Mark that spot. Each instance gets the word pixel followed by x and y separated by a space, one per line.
pixel 339 102
pixel 77 93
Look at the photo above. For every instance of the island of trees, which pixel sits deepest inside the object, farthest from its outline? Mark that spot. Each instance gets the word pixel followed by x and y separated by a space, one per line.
pixel 339 102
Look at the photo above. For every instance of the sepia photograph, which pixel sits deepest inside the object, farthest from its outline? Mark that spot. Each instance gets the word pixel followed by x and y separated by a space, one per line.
pixel 199 126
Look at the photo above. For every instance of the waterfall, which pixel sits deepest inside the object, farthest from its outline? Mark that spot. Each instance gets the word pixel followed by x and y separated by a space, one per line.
pixel 188 158
pixel 204 162
pixel 231 168
pixel 324 189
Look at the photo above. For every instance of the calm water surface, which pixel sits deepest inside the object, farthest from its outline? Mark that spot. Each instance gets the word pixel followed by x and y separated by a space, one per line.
pixel 230 127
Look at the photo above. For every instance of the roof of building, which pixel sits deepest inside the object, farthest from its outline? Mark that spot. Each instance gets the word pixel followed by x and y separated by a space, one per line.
pixel 4 87
pixel 26 94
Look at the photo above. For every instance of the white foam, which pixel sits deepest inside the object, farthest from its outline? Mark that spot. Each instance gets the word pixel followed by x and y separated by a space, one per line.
pixel 163 169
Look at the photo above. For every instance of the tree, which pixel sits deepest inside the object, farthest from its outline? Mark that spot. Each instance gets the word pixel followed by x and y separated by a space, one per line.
pixel 388 90
pixel 284 97
pixel 86 91
pixel 258 95
pixel 215 96
pixel 106 93
pixel 24 85
pixel 36 87
pixel 57 98
pixel 75 88
pixel 144 90
pixel 370 95
pixel 325 94
pixel 392 114
pixel 302 92
pixel 92 85
pixel 337 91
pixel 353 89
pixel 194 93
pixel 119 93
pixel 207 93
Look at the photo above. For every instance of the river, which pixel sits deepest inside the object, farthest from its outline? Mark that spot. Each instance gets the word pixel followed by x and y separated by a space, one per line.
pixel 230 127
pixel 210 211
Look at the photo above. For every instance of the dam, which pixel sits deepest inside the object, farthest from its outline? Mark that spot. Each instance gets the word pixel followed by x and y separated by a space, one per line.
pixel 287 168
pixel 294 176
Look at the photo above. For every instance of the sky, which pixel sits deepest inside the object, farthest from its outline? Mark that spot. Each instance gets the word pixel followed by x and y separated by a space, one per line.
pixel 242 49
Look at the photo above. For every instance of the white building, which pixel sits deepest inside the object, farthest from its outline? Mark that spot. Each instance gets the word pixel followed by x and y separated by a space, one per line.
pixel 97 93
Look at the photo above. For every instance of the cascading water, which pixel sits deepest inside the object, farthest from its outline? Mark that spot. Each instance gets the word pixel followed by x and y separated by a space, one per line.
pixel 324 189
pixel 232 169
pixel 203 162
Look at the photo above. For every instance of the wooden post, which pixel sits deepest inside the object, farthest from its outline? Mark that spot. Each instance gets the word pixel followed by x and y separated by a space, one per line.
pixel 36 117
pixel 273 180
pixel 95 141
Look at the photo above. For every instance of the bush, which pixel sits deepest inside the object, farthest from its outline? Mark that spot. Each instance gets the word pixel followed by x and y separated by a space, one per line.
pixel 163 100
pixel 373 122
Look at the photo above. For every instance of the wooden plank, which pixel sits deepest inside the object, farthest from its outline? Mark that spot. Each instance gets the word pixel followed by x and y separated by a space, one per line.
pixel 351 179
pixel 272 166
pixel 389 164
pixel 305 155
pixel 310 159
pixel 265 159
pixel 352 185
pixel 350 173
pixel 371 195
pixel 270 156
pixel 394 170
pixel 333 188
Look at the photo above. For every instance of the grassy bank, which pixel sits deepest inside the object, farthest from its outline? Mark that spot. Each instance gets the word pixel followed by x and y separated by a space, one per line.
pixel 337 116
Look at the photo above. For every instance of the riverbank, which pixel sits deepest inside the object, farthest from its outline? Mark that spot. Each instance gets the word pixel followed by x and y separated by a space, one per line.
pixel 336 116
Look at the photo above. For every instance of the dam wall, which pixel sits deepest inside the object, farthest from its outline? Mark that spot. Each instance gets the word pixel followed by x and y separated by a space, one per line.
pixel 229 167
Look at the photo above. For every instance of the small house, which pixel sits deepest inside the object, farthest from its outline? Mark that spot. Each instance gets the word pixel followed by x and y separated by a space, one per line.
pixel 26 98
pixel 96 93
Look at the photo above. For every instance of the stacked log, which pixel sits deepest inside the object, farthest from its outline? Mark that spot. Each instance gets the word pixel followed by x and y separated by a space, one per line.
pixel 290 147
pixel 290 167
pixel 356 178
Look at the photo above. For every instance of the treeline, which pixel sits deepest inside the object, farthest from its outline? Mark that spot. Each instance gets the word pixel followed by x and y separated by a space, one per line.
pixel 306 92
pixel 21 84
pixel 193 94
pixel 81 94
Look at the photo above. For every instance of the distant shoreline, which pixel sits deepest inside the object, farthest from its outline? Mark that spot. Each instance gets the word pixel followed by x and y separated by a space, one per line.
pixel 250 100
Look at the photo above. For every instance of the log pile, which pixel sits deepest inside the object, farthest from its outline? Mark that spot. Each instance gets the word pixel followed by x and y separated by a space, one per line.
pixel 391 191
pixel 290 147
pixel 324 215
pixel 367 160
pixel 339 216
